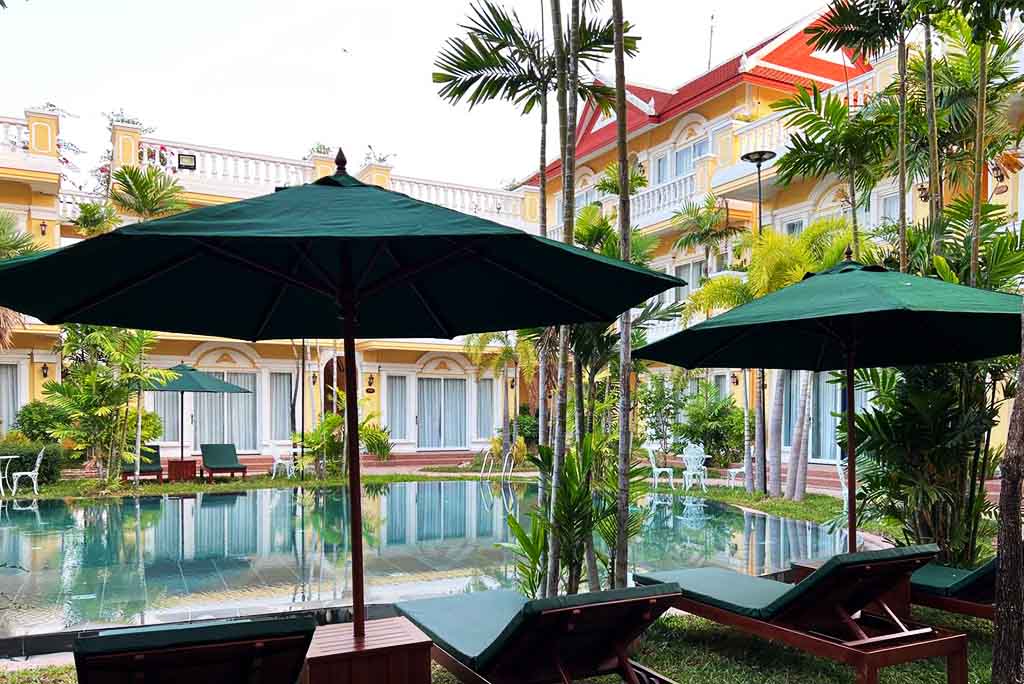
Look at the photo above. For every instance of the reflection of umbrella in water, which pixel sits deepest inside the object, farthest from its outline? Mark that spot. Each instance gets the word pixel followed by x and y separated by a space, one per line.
pixel 847 317
pixel 191 380
pixel 333 258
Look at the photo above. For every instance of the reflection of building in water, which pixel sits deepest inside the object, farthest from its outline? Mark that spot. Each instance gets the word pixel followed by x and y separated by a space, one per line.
pixel 417 512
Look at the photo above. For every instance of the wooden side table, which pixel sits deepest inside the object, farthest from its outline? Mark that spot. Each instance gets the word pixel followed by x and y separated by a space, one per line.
pixel 394 651
pixel 179 470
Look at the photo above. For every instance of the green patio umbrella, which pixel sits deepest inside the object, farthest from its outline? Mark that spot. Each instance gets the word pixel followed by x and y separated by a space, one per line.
pixel 333 258
pixel 847 317
pixel 191 380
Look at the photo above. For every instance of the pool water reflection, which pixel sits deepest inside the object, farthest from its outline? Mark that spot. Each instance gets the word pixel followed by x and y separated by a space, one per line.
pixel 70 565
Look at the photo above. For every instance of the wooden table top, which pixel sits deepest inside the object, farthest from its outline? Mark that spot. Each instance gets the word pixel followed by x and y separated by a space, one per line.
pixel 337 641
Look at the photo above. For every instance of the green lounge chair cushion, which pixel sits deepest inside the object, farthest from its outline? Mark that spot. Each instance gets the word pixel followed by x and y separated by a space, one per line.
pixel 157 637
pixel 942 580
pixel 475 628
pixel 144 467
pixel 220 456
pixel 763 599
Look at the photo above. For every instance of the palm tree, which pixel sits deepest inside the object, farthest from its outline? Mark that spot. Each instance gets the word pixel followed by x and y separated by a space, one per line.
pixel 13 243
pixel 704 225
pixel 146 192
pixel 498 351
pixel 869 27
pixel 832 140
pixel 96 218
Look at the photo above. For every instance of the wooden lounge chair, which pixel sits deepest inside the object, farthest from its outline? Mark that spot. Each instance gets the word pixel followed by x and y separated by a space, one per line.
pixel 967 592
pixel 501 637
pixel 832 613
pixel 256 651
pixel 220 459
pixel 147 468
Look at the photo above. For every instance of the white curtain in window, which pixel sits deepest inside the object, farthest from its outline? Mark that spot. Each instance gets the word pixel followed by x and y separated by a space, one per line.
pixel 484 408
pixel 209 416
pixel 240 418
pixel 428 396
pixel 454 412
pixel 397 403
pixel 167 405
pixel 280 406
pixel 8 396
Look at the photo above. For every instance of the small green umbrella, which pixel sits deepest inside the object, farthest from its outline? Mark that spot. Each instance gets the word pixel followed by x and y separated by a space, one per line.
pixel 847 317
pixel 333 258
pixel 191 380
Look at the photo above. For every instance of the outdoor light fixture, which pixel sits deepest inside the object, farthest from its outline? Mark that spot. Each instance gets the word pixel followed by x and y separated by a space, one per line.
pixel 735 379
pixel 313 379
pixel 45 370
pixel 922 192
pixel 757 158
pixel 997 172
pixel 186 162
pixel 42 227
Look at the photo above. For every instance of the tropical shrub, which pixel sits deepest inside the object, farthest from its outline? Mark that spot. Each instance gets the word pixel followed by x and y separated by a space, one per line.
pixel 377 441
pixel 49 469
pixel 714 422
pixel 529 429
pixel 37 420
pixel 659 401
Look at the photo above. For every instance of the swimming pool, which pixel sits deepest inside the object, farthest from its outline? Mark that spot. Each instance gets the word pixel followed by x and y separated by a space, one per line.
pixel 68 566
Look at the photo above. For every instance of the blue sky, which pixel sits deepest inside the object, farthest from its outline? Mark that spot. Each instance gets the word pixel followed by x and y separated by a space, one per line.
pixel 275 77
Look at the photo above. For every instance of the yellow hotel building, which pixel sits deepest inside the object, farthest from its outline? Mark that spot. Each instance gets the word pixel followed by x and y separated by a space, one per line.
pixel 689 139
pixel 438 405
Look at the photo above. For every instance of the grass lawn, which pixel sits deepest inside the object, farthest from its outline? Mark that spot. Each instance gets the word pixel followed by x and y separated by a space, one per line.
pixel 691 650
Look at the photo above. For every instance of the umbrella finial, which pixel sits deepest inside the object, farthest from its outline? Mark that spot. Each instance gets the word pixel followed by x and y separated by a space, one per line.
pixel 848 254
pixel 341 161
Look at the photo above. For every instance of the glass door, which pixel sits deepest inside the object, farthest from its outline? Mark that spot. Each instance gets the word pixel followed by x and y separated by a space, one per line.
pixel 441 413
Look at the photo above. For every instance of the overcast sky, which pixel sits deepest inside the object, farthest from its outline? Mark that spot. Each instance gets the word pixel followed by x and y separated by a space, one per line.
pixel 275 77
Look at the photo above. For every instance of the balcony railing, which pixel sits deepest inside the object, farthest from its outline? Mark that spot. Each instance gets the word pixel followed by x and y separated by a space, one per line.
pixel 68 201
pixel 768 133
pixel 218 169
pixel 658 203
pixel 497 205
pixel 13 134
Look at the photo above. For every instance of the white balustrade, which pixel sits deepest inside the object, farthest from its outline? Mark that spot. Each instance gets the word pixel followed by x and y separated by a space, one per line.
pixel 659 202
pixel 220 166
pixel 497 205
pixel 68 201
pixel 768 133
pixel 13 134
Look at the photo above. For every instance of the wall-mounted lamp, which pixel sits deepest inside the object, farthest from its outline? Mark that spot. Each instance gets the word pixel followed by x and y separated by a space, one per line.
pixel 42 227
pixel 314 379
pixel 1000 189
pixel 45 370
pixel 922 192
pixel 370 379
pixel 735 379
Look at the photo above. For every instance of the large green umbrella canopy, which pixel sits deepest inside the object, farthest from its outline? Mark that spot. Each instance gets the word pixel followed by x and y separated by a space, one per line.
pixel 189 379
pixel 334 258
pixel 851 316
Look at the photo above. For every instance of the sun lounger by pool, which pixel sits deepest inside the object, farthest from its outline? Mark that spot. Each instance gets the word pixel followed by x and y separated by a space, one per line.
pixel 256 651
pixel 147 468
pixel 830 614
pixel 501 637
pixel 220 459
pixel 967 592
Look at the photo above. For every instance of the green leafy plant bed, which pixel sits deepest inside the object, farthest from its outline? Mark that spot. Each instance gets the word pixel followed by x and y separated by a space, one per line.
pixel 690 650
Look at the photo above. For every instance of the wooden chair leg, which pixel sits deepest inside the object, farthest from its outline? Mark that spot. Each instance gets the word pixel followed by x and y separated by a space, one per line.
pixel 867 674
pixel 956 668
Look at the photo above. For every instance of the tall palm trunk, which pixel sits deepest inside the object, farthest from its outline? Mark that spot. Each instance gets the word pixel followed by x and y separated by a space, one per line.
pixel 554 545
pixel 506 442
pixel 901 145
pixel 579 402
pixel 1008 645
pixel 621 569
pixel 138 432
pixel 796 449
pixel 854 227
pixel 805 439
pixel 979 159
pixel 748 471
pixel 542 372
pixel 515 405
pixel 775 435
pixel 934 175
pixel 759 439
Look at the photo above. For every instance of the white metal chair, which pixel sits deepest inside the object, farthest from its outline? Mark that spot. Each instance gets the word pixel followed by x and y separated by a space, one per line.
pixel 694 516
pixel 733 475
pixel 696 471
pixel 30 474
pixel 658 471
pixel 281 460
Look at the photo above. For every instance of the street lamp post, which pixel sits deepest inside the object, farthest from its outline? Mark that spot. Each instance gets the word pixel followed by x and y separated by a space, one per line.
pixel 757 158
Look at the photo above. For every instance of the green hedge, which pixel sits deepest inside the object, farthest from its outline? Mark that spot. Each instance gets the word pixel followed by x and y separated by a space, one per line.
pixel 49 470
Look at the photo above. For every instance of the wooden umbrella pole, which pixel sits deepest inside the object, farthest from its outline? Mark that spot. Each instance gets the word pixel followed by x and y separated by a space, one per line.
pixel 355 491
pixel 851 456
pixel 181 428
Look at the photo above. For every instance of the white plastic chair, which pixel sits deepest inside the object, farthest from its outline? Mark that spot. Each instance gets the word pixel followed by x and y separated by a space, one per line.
pixel 696 471
pixel 658 471
pixel 281 460
pixel 734 474
pixel 30 474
